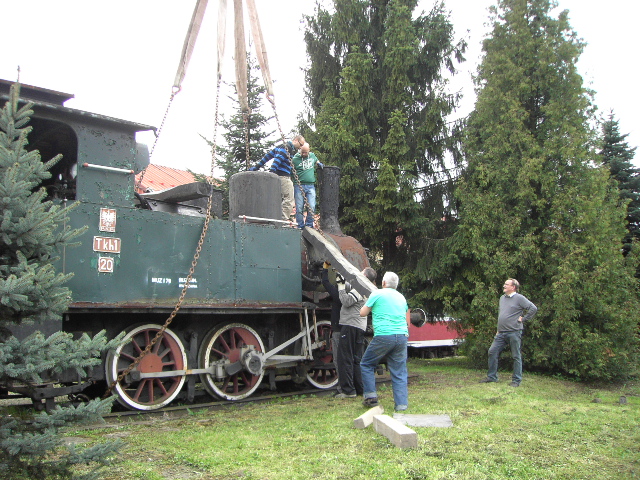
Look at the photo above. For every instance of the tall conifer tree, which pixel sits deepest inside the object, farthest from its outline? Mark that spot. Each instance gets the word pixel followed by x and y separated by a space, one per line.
pixel 617 155
pixel 31 292
pixel 378 108
pixel 537 205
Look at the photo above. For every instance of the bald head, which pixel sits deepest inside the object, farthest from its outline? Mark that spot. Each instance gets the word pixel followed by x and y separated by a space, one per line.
pixel 304 150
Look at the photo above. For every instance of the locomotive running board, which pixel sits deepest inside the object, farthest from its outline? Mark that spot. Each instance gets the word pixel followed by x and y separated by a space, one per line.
pixel 326 250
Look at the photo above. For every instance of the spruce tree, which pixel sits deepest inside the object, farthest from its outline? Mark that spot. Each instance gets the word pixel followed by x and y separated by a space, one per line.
pixel 378 107
pixel 617 155
pixel 240 129
pixel 537 205
pixel 31 292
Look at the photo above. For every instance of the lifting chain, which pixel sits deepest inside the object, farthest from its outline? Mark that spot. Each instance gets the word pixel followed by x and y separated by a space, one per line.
pixel 196 255
pixel 174 92
pixel 245 118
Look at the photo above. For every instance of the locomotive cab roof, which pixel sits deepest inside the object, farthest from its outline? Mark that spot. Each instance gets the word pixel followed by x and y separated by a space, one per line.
pixel 84 139
pixel 54 101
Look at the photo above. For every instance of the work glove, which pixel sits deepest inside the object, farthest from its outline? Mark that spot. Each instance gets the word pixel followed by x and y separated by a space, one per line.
pixel 321 165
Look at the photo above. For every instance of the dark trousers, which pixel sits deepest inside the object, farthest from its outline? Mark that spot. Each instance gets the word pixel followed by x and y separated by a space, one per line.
pixel 350 351
pixel 501 341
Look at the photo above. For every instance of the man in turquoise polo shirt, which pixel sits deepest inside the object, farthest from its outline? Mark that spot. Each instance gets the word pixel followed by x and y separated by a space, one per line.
pixel 390 334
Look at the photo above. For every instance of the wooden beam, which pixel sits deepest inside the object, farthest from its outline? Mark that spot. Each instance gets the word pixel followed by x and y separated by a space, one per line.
pixel 327 250
pixel 400 435
pixel 366 419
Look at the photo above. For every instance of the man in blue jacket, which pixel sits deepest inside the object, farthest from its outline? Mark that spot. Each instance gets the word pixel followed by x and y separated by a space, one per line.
pixel 281 166
pixel 514 309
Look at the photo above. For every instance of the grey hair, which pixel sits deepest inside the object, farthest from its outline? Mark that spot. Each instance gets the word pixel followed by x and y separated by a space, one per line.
pixel 515 283
pixel 370 273
pixel 391 279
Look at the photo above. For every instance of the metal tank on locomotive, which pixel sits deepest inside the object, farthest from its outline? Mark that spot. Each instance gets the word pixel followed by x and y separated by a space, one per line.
pixel 254 310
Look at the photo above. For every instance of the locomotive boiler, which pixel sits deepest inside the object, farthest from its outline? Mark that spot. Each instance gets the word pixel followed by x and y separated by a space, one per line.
pixel 254 311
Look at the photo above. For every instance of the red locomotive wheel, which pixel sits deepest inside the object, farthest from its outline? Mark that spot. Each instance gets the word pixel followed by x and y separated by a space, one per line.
pixel 166 355
pixel 323 373
pixel 224 347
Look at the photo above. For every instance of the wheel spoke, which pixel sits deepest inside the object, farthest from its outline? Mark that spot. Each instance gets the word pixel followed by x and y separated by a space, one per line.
pixel 157 346
pixel 141 385
pixel 136 346
pixel 164 353
pixel 150 383
pixel 225 384
pixel 219 353
pixel 225 345
pixel 127 356
pixel 248 380
pixel 161 386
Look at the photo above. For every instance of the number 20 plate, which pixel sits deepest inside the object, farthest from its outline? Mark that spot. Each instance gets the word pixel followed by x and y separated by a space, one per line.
pixel 105 264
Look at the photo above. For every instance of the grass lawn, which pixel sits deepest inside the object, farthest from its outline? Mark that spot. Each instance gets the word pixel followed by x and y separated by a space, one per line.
pixel 547 428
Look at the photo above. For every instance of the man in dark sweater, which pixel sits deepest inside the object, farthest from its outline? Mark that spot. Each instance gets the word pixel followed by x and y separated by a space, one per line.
pixel 336 305
pixel 514 309
pixel 351 344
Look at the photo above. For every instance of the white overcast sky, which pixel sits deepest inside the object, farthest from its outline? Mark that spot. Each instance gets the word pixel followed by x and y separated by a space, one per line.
pixel 119 58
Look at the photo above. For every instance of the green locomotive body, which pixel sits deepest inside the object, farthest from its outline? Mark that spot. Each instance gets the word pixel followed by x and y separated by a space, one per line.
pixel 252 309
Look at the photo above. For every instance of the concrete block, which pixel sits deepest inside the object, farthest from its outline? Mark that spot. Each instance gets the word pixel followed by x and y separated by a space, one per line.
pixel 400 435
pixel 421 420
pixel 366 419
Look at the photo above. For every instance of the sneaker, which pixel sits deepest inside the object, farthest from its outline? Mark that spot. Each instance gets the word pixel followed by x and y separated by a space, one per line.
pixel 370 402
pixel 487 380
pixel 514 384
pixel 345 395
pixel 401 408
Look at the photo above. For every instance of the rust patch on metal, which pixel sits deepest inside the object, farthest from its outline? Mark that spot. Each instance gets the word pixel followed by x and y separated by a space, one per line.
pixel 352 250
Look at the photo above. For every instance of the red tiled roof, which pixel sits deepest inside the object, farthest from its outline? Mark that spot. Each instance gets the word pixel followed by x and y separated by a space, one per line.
pixel 158 177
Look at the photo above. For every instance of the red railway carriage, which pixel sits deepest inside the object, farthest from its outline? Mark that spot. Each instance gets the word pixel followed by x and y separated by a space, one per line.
pixel 434 339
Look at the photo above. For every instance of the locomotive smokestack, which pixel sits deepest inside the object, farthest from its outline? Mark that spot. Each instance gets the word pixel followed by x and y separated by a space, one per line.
pixel 329 183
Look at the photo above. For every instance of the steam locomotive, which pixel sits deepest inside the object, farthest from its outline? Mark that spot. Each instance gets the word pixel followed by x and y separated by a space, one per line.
pixel 254 309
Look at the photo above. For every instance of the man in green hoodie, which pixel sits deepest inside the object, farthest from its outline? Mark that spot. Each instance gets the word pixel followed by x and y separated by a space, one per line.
pixel 305 163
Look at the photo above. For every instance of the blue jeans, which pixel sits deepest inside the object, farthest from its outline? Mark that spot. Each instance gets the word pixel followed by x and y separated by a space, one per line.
pixel 394 347
pixel 500 342
pixel 310 193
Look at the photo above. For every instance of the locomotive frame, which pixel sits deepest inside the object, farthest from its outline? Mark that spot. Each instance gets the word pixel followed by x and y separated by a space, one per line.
pixel 252 311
